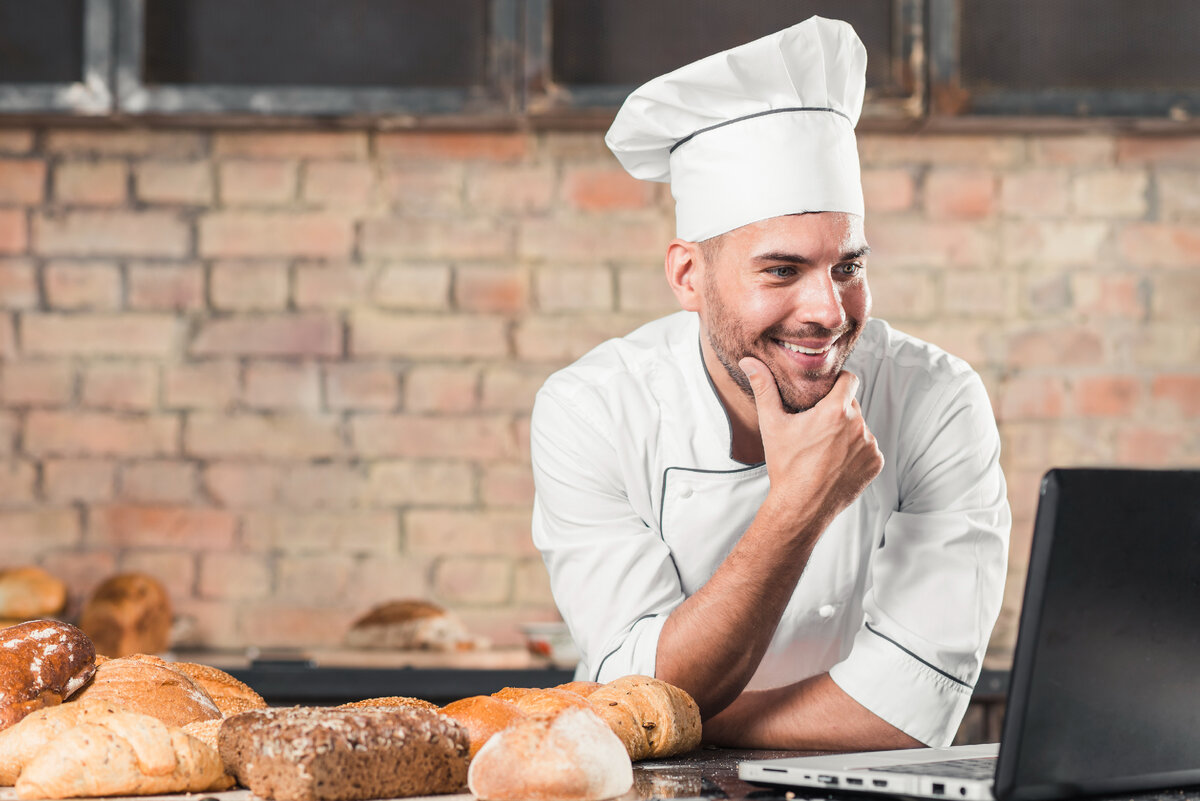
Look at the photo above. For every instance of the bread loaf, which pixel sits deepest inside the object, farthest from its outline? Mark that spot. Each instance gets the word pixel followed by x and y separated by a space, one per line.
pixel 22 741
pixel 128 614
pixel 311 753
pixel 536 701
pixel 584 688
pixel 151 688
pixel 652 718
pixel 573 756
pixel 205 731
pixel 29 592
pixel 410 624
pixel 230 695
pixel 389 700
pixel 482 716
pixel 121 753
pixel 41 663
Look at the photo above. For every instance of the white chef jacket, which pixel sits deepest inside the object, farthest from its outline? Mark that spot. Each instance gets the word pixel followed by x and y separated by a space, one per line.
pixel 639 501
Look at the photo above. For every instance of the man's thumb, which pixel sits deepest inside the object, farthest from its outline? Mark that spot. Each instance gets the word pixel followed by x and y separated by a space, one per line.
pixel 766 392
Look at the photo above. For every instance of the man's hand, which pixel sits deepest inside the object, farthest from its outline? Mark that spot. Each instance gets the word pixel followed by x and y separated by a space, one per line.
pixel 818 460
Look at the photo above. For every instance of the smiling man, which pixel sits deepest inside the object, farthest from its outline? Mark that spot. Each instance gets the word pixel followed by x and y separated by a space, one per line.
pixel 770 499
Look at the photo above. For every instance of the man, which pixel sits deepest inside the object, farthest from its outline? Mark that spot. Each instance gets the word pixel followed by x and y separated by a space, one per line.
pixel 788 509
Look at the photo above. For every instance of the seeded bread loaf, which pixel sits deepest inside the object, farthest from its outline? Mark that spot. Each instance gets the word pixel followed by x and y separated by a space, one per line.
pixel 652 717
pixel 229 694
pixel 41 663
pixel 330 754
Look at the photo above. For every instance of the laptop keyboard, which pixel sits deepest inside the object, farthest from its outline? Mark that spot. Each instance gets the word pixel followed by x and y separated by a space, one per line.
pixel 973 768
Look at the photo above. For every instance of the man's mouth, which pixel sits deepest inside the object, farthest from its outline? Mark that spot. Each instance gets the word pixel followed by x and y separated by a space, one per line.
pixel 810 350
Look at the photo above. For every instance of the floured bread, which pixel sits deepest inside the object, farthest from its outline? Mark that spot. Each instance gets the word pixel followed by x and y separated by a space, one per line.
pixel 41 663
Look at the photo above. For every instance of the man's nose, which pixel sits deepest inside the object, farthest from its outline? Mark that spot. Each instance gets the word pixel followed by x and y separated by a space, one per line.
pixel 819 301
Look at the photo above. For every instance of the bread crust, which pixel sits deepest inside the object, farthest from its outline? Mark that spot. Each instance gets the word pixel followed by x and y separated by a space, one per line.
pixel 542 701
pixel 28 592
pixel 483 716
pixel 229 694
pixel 651 717
pixel 129 613
pixel 150 688
pixel 389 701
pixel 41 663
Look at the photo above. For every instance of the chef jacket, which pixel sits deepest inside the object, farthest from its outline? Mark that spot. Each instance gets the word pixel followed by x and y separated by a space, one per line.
pixel 639 501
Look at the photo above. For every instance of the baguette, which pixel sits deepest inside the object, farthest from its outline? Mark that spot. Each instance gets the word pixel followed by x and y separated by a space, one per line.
pixel 21 742
pixel 651 717
pixel 534 701
pixel 482 716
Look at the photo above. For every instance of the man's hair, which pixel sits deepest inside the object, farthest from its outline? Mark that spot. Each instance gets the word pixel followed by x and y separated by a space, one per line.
pixel 711 248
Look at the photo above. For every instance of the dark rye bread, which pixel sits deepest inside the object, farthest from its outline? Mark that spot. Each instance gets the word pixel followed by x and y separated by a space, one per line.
pixel 329 754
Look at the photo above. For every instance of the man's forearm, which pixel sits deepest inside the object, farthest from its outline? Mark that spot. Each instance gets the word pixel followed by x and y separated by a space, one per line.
pixel 810 715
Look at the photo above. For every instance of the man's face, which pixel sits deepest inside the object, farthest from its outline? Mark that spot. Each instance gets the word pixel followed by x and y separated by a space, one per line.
pixel 792 292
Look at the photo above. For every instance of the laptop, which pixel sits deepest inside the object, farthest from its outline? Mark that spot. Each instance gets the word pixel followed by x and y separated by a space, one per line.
pixel 1104 691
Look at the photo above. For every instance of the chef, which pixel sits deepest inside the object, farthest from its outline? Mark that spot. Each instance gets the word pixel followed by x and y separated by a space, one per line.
pixel 787 508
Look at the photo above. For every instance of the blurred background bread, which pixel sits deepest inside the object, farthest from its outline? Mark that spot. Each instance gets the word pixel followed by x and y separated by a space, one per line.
pixel 411 624
pixel 30 592
pixel 129 613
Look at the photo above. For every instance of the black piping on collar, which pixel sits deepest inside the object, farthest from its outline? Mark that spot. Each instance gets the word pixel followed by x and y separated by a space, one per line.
pixel 694 134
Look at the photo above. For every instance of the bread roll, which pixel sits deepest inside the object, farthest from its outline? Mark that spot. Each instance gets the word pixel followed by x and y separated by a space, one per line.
pixel 324 754
pixel 410 624
pixel 573 756
pixel 121 753
pixel 389 700
pixel 482 716
pixel 230 695
pixel 151 689
pixel 21 742
pixel 30 592
pixel 128 614
pixel 41 663
pixel 549 701
pixel 652 718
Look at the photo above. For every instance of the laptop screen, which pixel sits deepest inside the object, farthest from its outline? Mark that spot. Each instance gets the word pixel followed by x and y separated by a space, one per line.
pixel 1105 689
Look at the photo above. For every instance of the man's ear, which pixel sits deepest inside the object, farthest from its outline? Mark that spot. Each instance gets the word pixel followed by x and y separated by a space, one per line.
pixel 685 273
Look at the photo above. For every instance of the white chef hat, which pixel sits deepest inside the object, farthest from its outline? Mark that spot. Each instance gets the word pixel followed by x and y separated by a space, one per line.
pixel 758 131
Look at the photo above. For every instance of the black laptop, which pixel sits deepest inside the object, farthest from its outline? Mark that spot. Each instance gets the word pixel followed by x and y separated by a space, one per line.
pixel 1104 695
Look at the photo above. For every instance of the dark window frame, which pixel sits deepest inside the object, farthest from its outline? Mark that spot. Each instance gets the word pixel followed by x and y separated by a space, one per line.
pixel 92 94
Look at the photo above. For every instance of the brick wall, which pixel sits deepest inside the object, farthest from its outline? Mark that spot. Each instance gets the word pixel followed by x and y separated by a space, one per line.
pixel 290 372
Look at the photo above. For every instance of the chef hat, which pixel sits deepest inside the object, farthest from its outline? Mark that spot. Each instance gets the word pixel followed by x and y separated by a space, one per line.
pixel 759 131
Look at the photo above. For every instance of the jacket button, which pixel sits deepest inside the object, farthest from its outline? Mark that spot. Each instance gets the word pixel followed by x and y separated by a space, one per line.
pixel 685 492
pixel 827 610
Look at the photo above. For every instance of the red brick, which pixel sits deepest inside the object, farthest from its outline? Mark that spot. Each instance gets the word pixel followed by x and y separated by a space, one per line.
pixel 335 286
pixel 565 338
pixel 84 480
pixel 1181 150
pixel 1147 446
pixel 574 289
pixel 120 386
pixel 38 383
pixel 22 181
pixel 332 484
pixel 512 388
pixel 1160 244
pixel 271 624
pixel 378 578
pixel 1179 194
pixel 1053 243
pixel 362 386
pixel 91 183
pixel 520 189
pixel 94 334
pixel 209 436
pixel 165 287
pixel 452 145
pixel 424 188
pixel 1111 193
pixel 605 189
pixel 1170 345
pixel 338 184
pixel 435 531
pixel 16 141
pixel 307 335
pixel 14 236
pixel 441 389
pixel 593 240
pixel 1026 445
pixel 273 234
pixel 291 144
pixel 174 182
pixel 176 569
pixel 427 335
pixel 971 151
pixel 1055 347
pixel 428 238
pixel 642 290
pixel 507 485
pixel 124 526
pixel 972 340
pixel 118 233
pixel 960 194
pixel 425 287
pixel 1073 151
pixel 473 580
pixel 491 289
pixel 532 584
pixel 125 142
pixel 1031 398
pixel 43 528
pixel 908 243
pixel 321 579
pixel 99 434
pixel 886 190
pixel 257 183
pixel 903 294
pixel 160 482
pixel 1179 391
pixel 210 624
pixel 234 576
pixel 17 480
pixel 18 284
pixel 323 532
pixel 1120 296
pixel 9 426
pixel 410 436
pixel 1035 194
pixel 427 482
pixel 271 385
pixel 1107 396
pixel 238 485
pixel 90 285
pixel 979 293
pixel 200 385
pixel 248 286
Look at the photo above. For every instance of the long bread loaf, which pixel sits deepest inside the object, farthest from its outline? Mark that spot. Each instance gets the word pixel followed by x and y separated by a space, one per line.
pixel 651 717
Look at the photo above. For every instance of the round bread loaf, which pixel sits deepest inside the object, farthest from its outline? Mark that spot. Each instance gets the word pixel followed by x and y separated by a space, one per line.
pixel 230 695
pixel 329 754
pixel 537 701
pixel 41 663
pixel 153 689
pixel 410 624
pixel 29 592
pixel 128 614
pixel 483 716
pixel 573 756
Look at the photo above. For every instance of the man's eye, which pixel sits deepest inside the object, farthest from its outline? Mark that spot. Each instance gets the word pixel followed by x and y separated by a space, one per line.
pixel 851 269
pixel 782 271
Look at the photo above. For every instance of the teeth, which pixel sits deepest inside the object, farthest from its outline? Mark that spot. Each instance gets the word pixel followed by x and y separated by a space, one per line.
pixel 809 351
